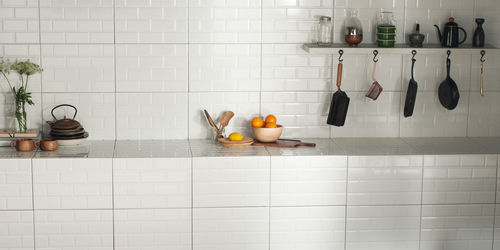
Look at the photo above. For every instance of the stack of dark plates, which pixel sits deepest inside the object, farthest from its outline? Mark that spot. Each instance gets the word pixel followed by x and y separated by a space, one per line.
pixel 68 134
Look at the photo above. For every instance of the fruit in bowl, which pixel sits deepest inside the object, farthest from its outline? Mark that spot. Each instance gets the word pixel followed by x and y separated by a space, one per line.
pixel 266 130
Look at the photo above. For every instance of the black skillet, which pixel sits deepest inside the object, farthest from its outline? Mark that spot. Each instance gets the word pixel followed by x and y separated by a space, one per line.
pixel 411 93
pixel 448 90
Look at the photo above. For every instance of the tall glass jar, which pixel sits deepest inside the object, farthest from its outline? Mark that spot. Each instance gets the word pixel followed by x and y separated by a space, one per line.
pixel 353 30
pixel 325 31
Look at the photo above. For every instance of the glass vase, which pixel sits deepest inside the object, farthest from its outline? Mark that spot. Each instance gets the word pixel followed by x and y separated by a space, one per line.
pixel 22 122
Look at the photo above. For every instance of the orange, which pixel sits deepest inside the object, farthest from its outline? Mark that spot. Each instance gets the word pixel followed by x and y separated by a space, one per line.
pixel 257 122
pixel 271 125
pixel 270 119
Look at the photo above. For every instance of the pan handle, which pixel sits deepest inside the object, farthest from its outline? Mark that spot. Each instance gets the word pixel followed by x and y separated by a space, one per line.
pixel 339 75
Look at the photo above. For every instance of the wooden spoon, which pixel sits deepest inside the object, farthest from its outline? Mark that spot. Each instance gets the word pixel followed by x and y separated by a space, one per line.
pixel 224 120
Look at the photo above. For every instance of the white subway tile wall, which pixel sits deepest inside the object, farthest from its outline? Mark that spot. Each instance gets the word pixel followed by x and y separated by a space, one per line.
pixel 237 52
pixel 72 184
pixel 16 230
pixel 15 184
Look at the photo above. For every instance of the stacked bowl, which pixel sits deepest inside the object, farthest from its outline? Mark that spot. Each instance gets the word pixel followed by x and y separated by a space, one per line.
pixel 386 36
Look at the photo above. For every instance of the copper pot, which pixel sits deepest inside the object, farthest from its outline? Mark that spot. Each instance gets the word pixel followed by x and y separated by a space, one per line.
pixel 24 145
pixel 48 145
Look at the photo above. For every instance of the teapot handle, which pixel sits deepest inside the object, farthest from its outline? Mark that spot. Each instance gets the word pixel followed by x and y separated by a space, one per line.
pixel 62 105
pixel 465 35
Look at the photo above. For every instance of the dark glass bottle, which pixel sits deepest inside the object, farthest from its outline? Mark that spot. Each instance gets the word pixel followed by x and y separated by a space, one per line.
pixel 478 39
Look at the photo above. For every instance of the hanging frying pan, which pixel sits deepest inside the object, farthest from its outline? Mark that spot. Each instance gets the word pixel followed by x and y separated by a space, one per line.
pixel 448 90
pixel 340 100
pixel 411 93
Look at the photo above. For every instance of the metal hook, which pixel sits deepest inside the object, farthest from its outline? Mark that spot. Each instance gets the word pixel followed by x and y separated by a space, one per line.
pixel 414 53
pixel 482 55
pixel 341 53
pixel 375 53
pixel 449 53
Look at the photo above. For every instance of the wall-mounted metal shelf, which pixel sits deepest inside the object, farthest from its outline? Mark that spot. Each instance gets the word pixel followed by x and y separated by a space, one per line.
pixel 315 49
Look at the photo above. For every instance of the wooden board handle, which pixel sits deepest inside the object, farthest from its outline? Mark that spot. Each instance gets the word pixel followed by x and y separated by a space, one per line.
pixel 339 75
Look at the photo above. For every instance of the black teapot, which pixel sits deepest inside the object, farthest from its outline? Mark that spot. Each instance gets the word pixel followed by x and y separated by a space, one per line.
pixel 450 34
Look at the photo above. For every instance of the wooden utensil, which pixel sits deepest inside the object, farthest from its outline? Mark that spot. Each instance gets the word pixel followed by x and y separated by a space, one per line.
pixel 245 142
pixel 285 143
pixel 224 120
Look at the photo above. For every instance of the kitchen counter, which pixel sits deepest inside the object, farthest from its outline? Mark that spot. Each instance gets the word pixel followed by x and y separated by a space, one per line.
pixel 210 148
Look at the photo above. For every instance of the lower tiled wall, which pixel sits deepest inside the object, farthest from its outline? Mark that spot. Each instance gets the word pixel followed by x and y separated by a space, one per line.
pixel 393 202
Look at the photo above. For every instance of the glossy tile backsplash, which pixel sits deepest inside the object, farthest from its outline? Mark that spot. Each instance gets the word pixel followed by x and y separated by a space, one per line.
pixel 146 69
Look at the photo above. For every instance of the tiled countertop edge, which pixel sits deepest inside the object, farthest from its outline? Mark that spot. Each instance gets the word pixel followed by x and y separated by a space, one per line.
pixel 325 147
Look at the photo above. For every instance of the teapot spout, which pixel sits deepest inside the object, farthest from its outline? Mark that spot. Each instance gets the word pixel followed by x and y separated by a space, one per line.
pixel 439 33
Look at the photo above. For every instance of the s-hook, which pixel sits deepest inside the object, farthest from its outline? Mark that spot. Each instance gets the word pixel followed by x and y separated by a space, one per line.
pixel 482 56
pixel 449 53
pixel 375 54
pixel 341 53
pixel 414 53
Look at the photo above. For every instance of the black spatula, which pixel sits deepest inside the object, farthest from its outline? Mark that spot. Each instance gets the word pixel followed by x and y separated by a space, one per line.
pixel 340 103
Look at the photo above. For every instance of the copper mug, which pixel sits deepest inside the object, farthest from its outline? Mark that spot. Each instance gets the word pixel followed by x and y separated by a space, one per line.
pixel 24 145
pixel 48 145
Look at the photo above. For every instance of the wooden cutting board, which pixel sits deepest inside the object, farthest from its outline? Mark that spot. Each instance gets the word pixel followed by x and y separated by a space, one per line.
pixel 11 133
pixel 285 143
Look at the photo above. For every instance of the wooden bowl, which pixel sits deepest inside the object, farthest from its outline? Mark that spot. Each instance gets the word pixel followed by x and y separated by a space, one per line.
pixel 267 134
pixel 245 142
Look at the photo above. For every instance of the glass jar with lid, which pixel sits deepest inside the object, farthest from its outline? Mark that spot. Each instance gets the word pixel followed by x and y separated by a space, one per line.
pixel 325 31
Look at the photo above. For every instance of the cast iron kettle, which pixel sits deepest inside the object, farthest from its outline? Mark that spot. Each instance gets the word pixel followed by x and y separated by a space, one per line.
pixel 449 38
pixel 65 123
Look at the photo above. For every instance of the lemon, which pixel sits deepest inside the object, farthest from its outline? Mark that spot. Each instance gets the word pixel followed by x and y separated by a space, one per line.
pixel 235 137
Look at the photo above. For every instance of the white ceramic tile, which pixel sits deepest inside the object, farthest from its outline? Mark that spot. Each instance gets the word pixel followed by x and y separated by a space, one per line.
pixel 302 114
pixel 383 227
pixel 152 183
pixel 496 236
pixel 224 67
pixel 375 146
pixel 16 52
pixel 452 179
pixel 287 67
pixel 20 22
pixel 385 180
pixel 431 119
pixel 430 71
pixel 484 114
pixel 152 229
pixel 151 21
pixel 152 68
pixel 8 111
pixel 357 72
pixel 461 227
pixel 152 149
pixel 306 228
pixel 74 229
pixel 245 105
pixel 231 181
pixel 15 184
pixel 292 21
pixel 96 112
pixel 89 149
pixel 78 68
pixel 230 228
pixel 152 116
pixel 306 181
pixel 72 183
pixel 224 21
pixel 368 118
pixel 78 21
pixel 16 230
